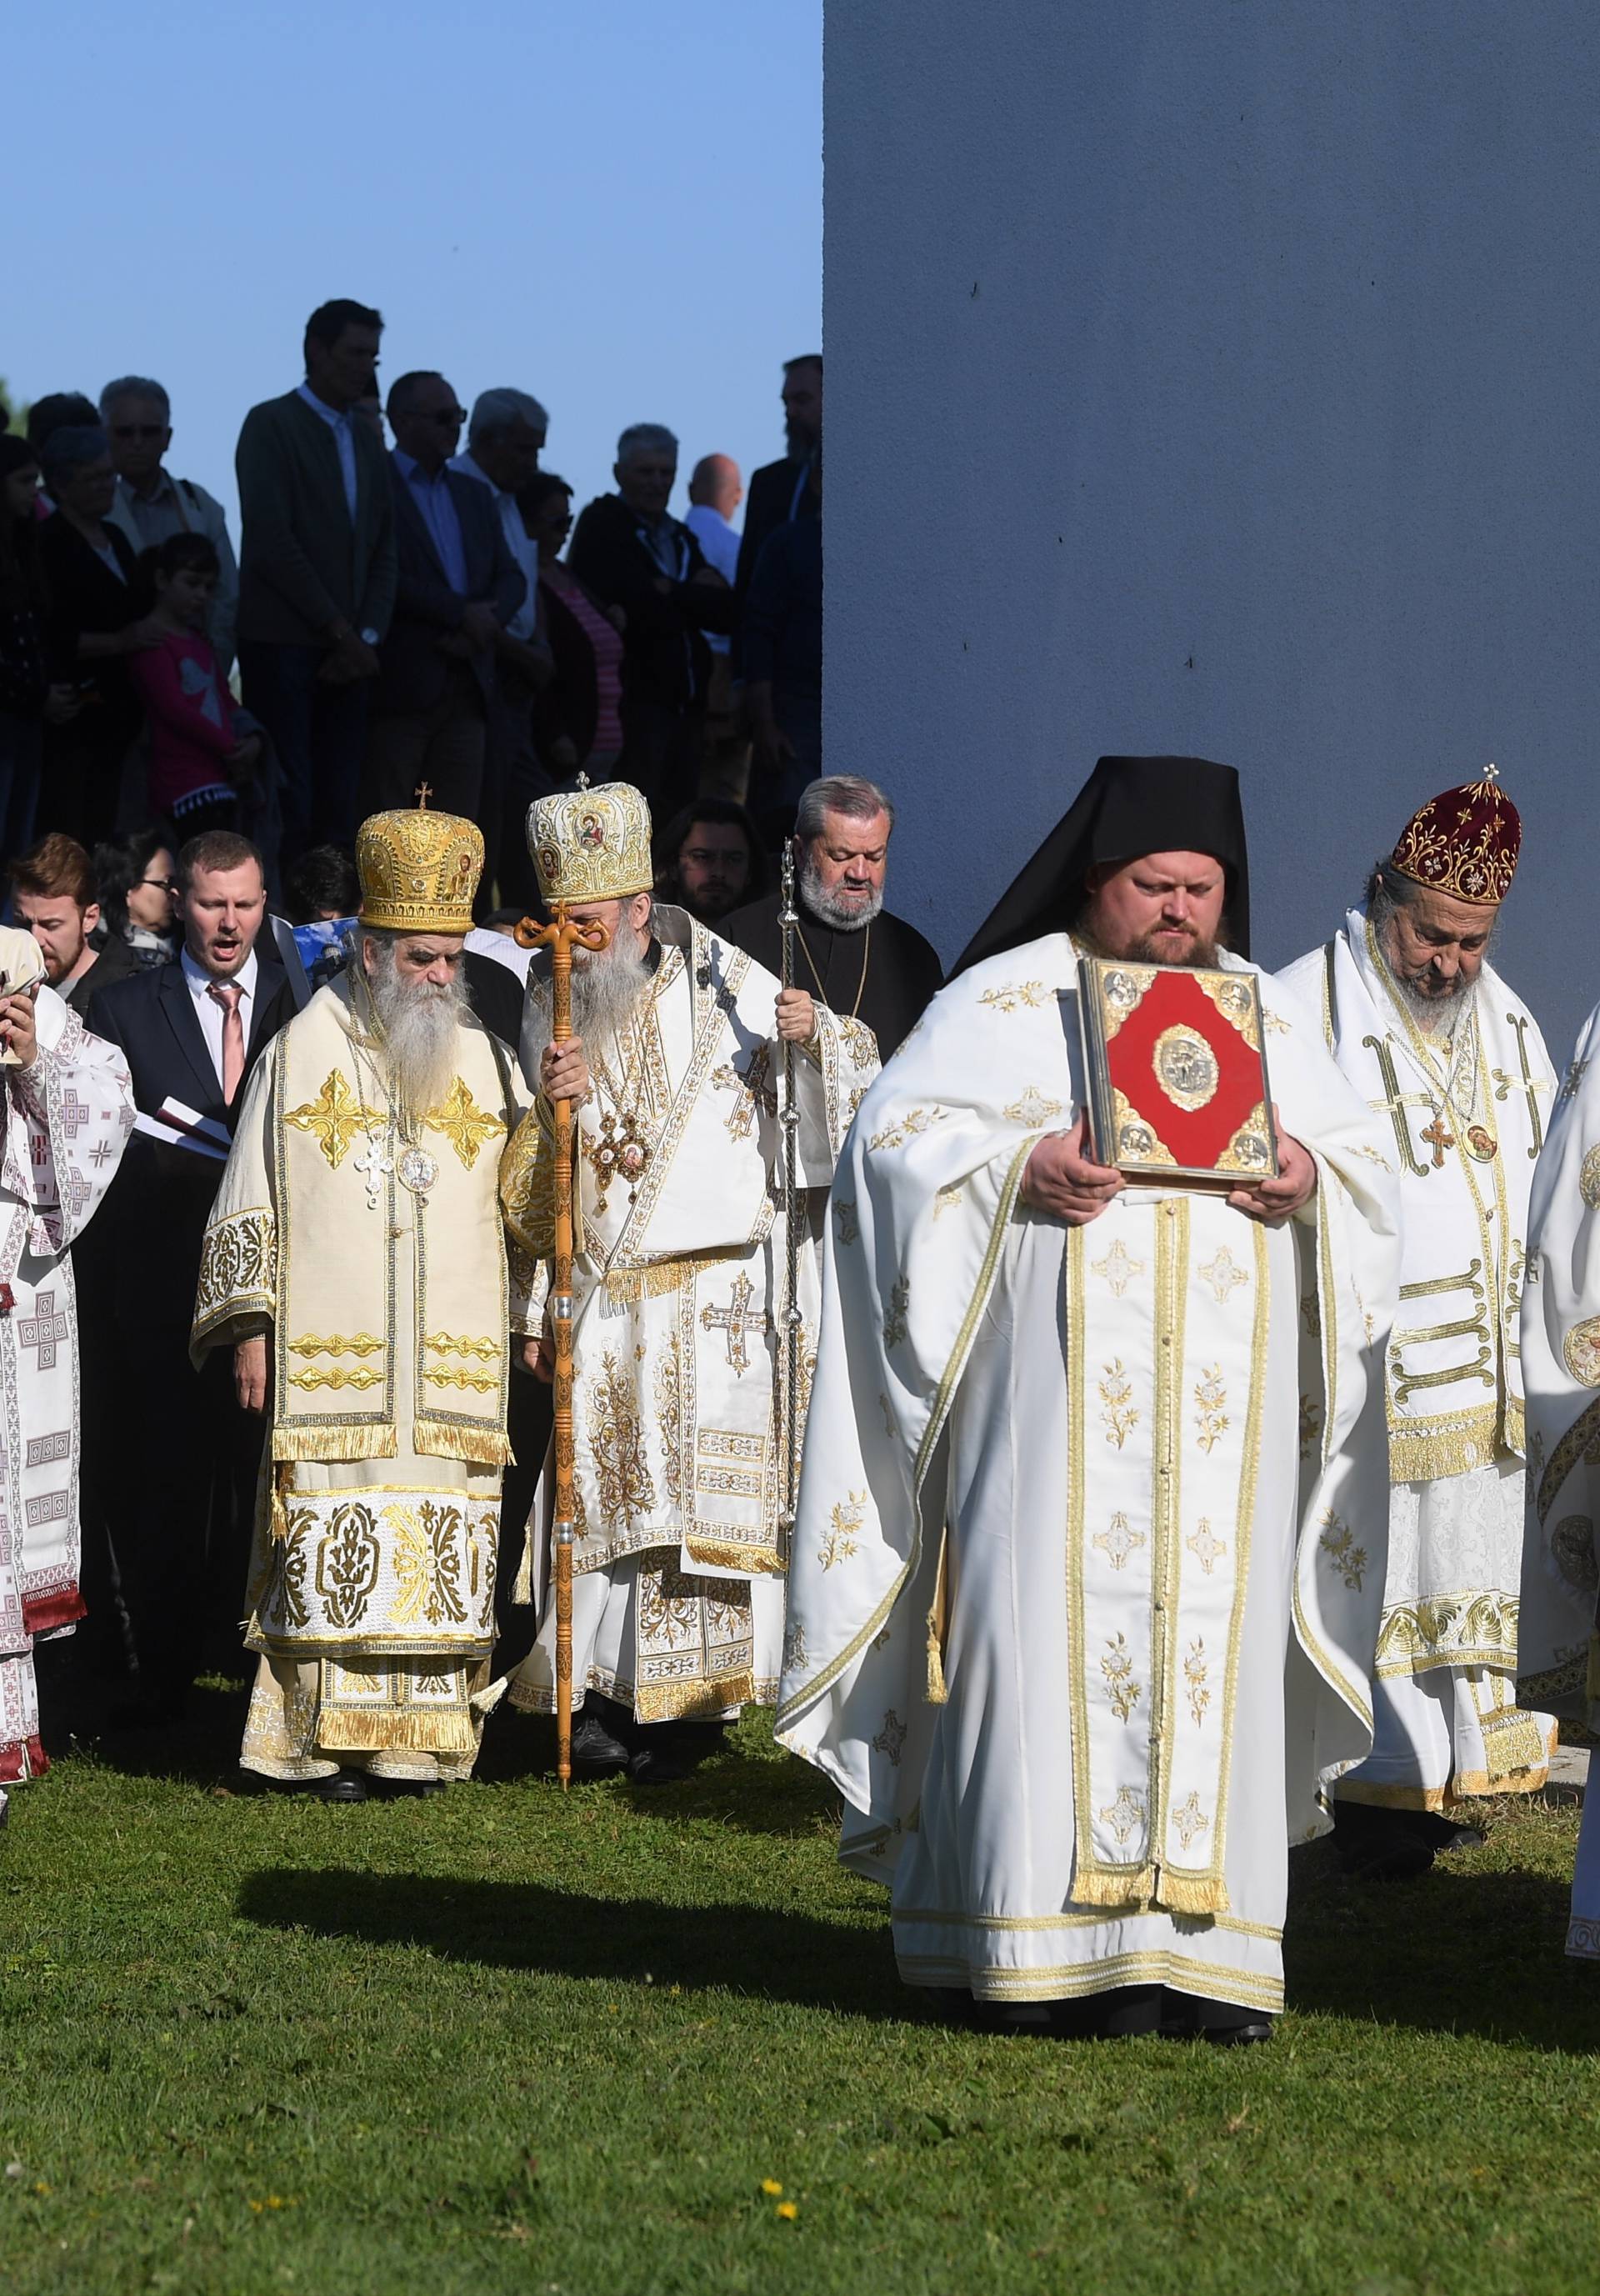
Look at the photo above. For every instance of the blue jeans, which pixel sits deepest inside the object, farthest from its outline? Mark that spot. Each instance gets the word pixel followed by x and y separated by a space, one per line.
pixel 319 732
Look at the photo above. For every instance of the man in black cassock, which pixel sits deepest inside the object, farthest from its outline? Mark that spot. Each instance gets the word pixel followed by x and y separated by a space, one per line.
pixel 851 955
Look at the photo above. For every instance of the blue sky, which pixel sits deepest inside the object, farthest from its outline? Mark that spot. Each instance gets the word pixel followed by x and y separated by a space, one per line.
pixel 615 206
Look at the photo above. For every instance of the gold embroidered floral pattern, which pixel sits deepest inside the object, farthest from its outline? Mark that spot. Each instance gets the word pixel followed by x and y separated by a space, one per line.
pixel 843 1538
pixel 1119 1540
pixel 239 1266
pixel 909 1126
pixel 795 1654
pixel 859 1041
pixel 1015 994
pixel 1122 1689
pixel 336 1116
pixel 946 1200
pixel 1118 1267
pixel 895 1324
pixel 464 1125
pixel 1203 1543
pixel 1580 1351
pixel 1338 1542
pixel 1190 1821
pixel 616 1445
pixel 1311 1426
pixel 891 1738
pixel 428 1559
pixel 845 1221
pixel 1223 1273
pixel 347 1563
pixel 1123 1815
pixel 670 1418
pixel 1034 1108
pixel 1116 1398
pixel 1197 1667
pixel 1211 1421
pixel 1311 1309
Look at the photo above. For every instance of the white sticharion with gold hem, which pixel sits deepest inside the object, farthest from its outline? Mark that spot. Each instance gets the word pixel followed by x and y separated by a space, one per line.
pixel 1077 1622
pixel 1466 1118
pixel 372 1252
pixel 678 1563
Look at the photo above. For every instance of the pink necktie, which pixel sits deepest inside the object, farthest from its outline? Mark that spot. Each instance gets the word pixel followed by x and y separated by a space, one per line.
pixel 228 995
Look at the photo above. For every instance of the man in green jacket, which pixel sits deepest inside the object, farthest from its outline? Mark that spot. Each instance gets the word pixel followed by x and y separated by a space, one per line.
pixel 316 578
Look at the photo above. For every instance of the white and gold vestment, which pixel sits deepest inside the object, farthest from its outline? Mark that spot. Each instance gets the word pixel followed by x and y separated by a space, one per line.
pixel 1078 1624
pixel 1464 1120
pixel 678 1563
pixel 372 1252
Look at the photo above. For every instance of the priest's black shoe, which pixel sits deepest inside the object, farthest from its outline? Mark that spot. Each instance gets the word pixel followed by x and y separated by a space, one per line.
pixel 1375 1844
pixel 597 1750
pixel 662 1756
pixel 343 1786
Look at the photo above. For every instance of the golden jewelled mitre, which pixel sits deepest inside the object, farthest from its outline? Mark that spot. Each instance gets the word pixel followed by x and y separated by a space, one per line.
pixel 419 871
pixel 591 844
pixel 1464 843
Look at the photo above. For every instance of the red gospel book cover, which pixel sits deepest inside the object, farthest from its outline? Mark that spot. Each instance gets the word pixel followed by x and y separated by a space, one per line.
pixel 1176 1072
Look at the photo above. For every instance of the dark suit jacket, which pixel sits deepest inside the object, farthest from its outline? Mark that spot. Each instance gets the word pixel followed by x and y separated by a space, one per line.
pixel 496 994
pixel 302 564
pixel 770 502
pixel 161 1196
pixel 115 962
pixel 414 673
pixel 85 595
pixel 665 659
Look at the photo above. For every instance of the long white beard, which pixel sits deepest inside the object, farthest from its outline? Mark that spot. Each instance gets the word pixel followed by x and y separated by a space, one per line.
pixel 608 986
pixel 419 1026
pixel 843 916
pixel 1439 1016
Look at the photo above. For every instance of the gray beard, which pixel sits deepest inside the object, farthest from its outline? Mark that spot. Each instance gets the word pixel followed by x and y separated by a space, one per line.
pixel 827 907
pixel 608 987
pixel 420 1028
pixel 1438 1016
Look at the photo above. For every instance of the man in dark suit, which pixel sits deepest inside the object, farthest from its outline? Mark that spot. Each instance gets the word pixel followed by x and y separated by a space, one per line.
pixel 316 573
pixel 458 588
pixel 191 1032
pixel 631 553
pixel 781 491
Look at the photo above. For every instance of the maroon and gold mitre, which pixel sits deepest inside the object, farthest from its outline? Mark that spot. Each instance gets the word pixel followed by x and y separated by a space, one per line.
pixel 1464 843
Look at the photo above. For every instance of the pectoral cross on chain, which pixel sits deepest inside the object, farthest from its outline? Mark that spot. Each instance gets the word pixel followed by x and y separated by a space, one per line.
pixel 373 1163
pixel 1438 1139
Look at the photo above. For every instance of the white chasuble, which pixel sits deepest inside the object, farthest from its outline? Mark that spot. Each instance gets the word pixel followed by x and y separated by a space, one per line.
pixel 677 1328
pixel 373 1253
pixel 1077 1622
pixel 1558 1661
pixel 1464 1121
pixel 66 1121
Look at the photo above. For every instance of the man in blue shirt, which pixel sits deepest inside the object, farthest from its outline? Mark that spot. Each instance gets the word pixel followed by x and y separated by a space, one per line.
pixel 459 587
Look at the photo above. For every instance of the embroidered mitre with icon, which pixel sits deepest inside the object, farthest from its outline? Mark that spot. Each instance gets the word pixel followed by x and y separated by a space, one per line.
pixel 591 844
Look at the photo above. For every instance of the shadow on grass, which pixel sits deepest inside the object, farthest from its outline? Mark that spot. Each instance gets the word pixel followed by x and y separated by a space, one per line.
pixel 752 1950
pixel 1461 1950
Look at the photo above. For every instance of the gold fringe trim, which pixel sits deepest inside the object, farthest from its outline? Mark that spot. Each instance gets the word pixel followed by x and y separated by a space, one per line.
pixel 688 1701
pixel 1426 1458
pixel 338 1727
pixel 336 1442
pixel 1191 1893
pixel 1107 1887
pixel 731 1554
pixel 939 1627
pixel 522 1592
pixel 277 1512
pixel 1517 1425
pixel 484 1702
pixel 480 1447
pixel 624 1285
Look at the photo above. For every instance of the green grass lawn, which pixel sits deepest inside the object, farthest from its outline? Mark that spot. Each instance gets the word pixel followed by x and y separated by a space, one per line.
pixel 514 2041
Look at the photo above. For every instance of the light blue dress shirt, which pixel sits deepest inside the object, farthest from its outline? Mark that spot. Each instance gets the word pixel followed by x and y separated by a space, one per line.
pixel 439 516
pixel 344 438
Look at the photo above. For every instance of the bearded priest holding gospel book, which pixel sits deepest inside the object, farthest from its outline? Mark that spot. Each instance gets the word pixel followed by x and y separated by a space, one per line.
pixel 678 1282
pixel 1077 1623
pixel 356 1263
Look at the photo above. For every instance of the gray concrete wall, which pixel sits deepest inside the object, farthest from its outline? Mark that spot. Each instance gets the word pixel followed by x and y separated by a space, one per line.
pixel 1218 376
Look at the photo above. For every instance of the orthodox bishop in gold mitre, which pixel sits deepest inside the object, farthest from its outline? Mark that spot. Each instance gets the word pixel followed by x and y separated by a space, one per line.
pixel 678 1282
pixel 356 1264
pixel 1452 1061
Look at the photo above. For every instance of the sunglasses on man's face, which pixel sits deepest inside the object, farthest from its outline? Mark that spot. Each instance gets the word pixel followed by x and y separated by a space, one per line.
pixel 449 418
pixel 138 429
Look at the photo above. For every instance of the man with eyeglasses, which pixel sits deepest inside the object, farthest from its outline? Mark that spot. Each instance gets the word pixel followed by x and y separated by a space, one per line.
pixel 150 504
pixel 459 589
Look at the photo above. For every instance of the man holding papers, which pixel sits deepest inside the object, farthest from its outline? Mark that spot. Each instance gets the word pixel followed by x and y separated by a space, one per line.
pixel 191 1032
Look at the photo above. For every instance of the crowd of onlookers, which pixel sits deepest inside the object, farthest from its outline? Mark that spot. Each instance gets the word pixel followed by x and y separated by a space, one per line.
pixel 424 611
